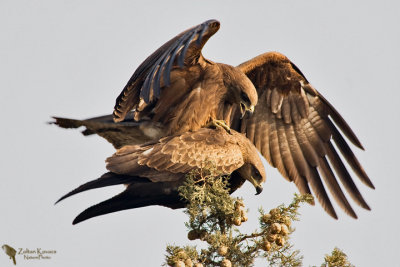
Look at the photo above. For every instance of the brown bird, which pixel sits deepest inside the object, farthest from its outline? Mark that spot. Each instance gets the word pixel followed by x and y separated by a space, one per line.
pixel 293 125
pixel 154 171
pixel 175 90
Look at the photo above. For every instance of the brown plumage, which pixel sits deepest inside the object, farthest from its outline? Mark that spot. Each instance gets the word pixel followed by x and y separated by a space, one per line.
pixel 127 132
pixel 177 87
pixel 154 171
pixel 293 125
pixel 173 91
pixel 292 128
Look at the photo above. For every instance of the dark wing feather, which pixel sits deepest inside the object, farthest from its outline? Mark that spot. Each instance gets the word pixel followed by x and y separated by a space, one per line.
pixel 137 195
pixel 154 73
pixel 299 138
pixel 107 179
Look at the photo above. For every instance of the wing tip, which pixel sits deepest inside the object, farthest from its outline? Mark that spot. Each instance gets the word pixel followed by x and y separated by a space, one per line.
pixel 99 209
pixel 61 199
pixel 332 213
pixel 352 213
pixel 366 206
pixel 79 218
pixel 368 182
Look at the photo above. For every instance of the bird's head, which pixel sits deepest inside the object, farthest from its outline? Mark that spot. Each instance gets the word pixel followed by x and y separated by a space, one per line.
pixel 241 90
pixel 253 169
pixel 254 174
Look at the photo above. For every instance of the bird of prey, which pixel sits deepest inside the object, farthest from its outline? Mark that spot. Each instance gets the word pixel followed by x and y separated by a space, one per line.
pixel 293 126
pixel 153 171
pixel 11 252
pixel 179 88
pixel 176 90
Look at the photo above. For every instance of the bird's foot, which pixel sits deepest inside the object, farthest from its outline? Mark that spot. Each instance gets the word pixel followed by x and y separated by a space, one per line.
pixel 219 123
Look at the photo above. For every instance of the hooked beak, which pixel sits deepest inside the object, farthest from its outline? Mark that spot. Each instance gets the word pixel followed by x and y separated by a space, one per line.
pixel 244 108
pixel 259 189
pixel 258 186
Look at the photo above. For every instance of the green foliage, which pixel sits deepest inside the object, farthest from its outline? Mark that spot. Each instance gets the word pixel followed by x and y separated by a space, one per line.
pixel 337 259
pixel 213 218
pixel 210 205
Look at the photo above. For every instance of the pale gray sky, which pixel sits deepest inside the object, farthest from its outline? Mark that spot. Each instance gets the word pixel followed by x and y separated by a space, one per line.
pixel 72 58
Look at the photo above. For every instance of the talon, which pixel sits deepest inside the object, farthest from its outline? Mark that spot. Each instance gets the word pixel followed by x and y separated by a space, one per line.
pixel 219 123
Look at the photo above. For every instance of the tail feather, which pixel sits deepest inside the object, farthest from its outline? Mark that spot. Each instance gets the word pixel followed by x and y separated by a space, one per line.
pixel 127 132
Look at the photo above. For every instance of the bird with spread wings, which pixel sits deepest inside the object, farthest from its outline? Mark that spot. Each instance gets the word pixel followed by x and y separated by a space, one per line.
pixel 176 90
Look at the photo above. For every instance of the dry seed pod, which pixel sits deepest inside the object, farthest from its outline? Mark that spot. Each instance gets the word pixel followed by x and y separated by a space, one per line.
pixel 243 214
pixel 280 241
pixel 179 264
pixel 274 212
pixel 284 229
pixel 239 203
pixel 286 220
pixel 226 263
pixel 266 217
pixel 193 235
pixel 222 250
pixel 188 262
pixel 275 228
pixel 237 221
pixel 266 245
pixel 181 254
pixel 271 237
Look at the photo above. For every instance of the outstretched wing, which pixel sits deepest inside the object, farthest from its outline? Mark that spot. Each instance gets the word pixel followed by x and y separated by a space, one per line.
pixel 293 127
pixel 179 154
pixel 154 73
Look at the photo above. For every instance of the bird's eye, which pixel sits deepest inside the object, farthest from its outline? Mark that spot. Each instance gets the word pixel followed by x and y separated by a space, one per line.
pixel 244 97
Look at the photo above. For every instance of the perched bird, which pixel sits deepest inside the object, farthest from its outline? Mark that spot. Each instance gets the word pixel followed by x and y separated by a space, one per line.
pixel 153 171
pixel 293 126
pixel 11 252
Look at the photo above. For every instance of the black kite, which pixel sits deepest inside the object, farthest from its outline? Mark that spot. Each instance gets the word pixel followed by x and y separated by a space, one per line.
pixel 293 125
pixel 154 171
